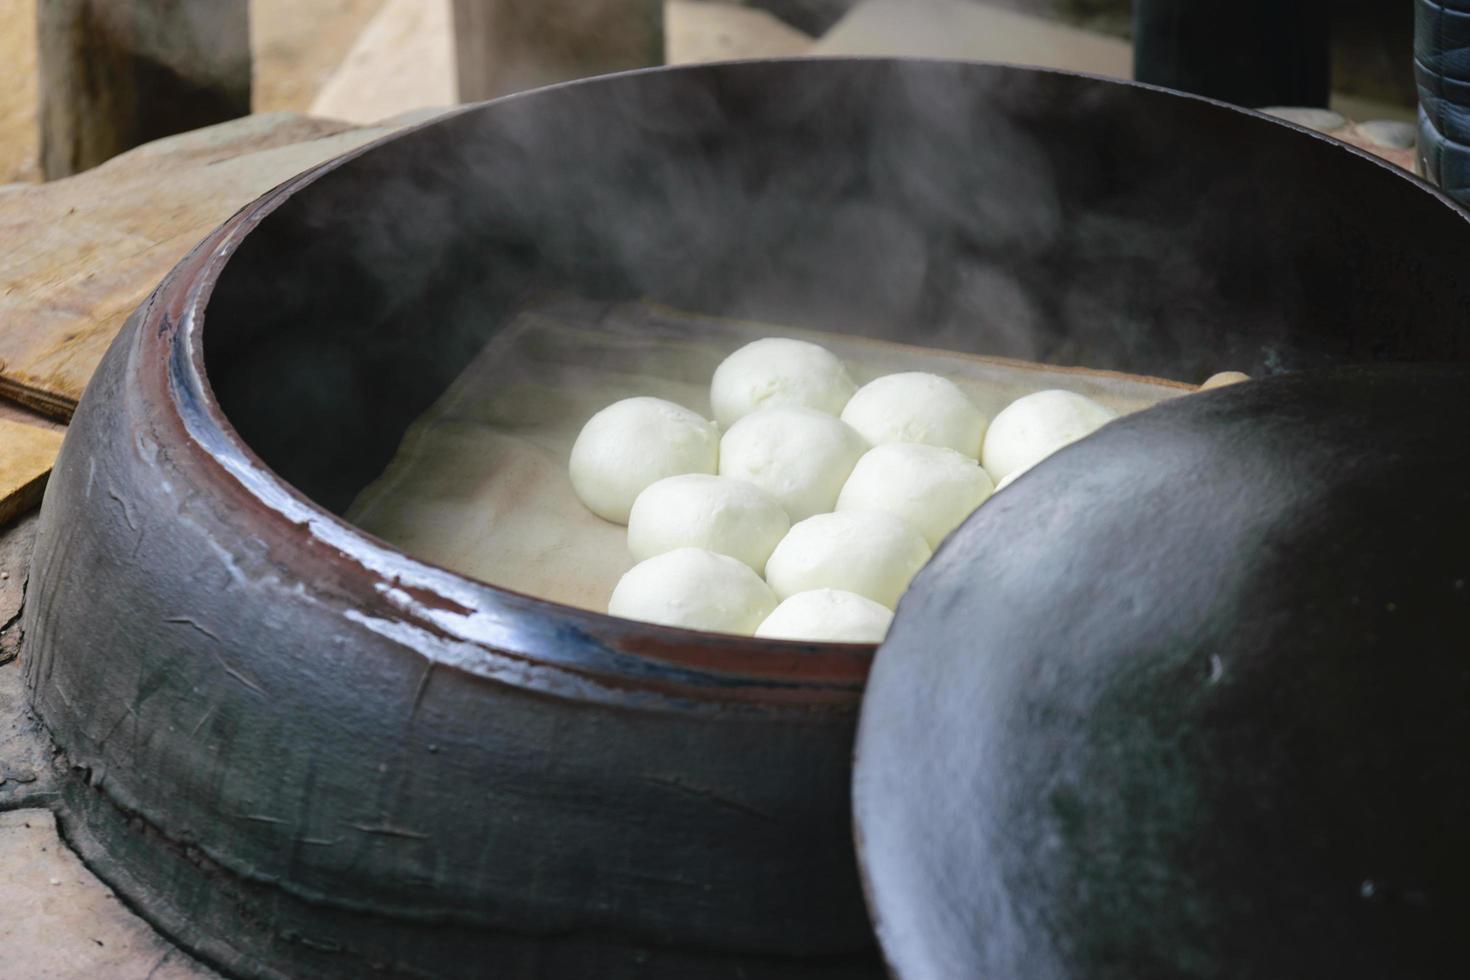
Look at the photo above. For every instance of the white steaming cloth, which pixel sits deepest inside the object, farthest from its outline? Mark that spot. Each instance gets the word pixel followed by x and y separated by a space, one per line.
pixel 479 483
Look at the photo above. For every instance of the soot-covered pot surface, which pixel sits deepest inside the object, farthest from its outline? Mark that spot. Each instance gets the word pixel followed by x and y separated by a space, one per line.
pixel 1204 714
pixel 300 752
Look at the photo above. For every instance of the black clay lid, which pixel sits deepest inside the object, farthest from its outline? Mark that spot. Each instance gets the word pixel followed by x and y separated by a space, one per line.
pixel 1190 699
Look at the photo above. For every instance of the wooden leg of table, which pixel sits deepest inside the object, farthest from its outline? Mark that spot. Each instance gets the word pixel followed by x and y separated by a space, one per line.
pixel 118 73
pixel 509 45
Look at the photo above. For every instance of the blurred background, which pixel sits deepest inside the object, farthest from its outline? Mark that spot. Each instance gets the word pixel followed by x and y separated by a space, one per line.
pixel 82 80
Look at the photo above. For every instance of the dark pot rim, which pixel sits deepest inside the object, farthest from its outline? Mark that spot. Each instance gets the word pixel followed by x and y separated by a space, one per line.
pixel 621 658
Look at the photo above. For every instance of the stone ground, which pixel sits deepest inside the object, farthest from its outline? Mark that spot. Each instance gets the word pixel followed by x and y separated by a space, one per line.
pixel 89 932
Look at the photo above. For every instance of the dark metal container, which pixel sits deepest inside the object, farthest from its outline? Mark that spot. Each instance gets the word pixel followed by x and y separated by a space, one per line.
pixel 300 752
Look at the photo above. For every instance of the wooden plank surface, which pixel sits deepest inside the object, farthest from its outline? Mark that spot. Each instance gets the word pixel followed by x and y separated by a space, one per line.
pixel 16 413
pixel 26 455
pixel 20 136
pixel 82 253
pixel 403 60
pixel 296 45
pixel 700 31
pixel 506 46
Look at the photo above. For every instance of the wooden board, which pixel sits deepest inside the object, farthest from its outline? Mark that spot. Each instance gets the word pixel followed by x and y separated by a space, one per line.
pixel 701 31
pixel 503 46
pixel 295 47
pixel 17 413
pixel 403 60
pixel 82 253
pixel 480 485
pixel 20 133
pixel 26 455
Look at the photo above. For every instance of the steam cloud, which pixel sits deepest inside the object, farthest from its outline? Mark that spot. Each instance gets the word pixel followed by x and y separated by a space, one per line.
pixel 979 210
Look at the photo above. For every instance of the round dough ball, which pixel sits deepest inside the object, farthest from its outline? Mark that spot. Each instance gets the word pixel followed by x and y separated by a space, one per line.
pixel 916 407
pixel 1223 379
pixel 798 455
pixel 1031 428
pixel 778 373
pixel 827 616
pixel 931 487
pixel 728 517
pixel 864 551
pixel 695 589
pixel 634 443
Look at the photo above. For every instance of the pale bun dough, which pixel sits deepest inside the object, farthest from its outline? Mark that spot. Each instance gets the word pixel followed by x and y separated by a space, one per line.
pixel 695 589
pixel 916 407
pixel 1031 428
pixel 778 373
pixel 827 616
pixel 634 443
pixel 717 513
pixel 798 455
pixel 864 551
pixel 1224 379
pixel 931 487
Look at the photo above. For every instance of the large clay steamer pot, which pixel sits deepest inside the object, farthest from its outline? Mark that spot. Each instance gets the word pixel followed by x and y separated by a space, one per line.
pixel 300 752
